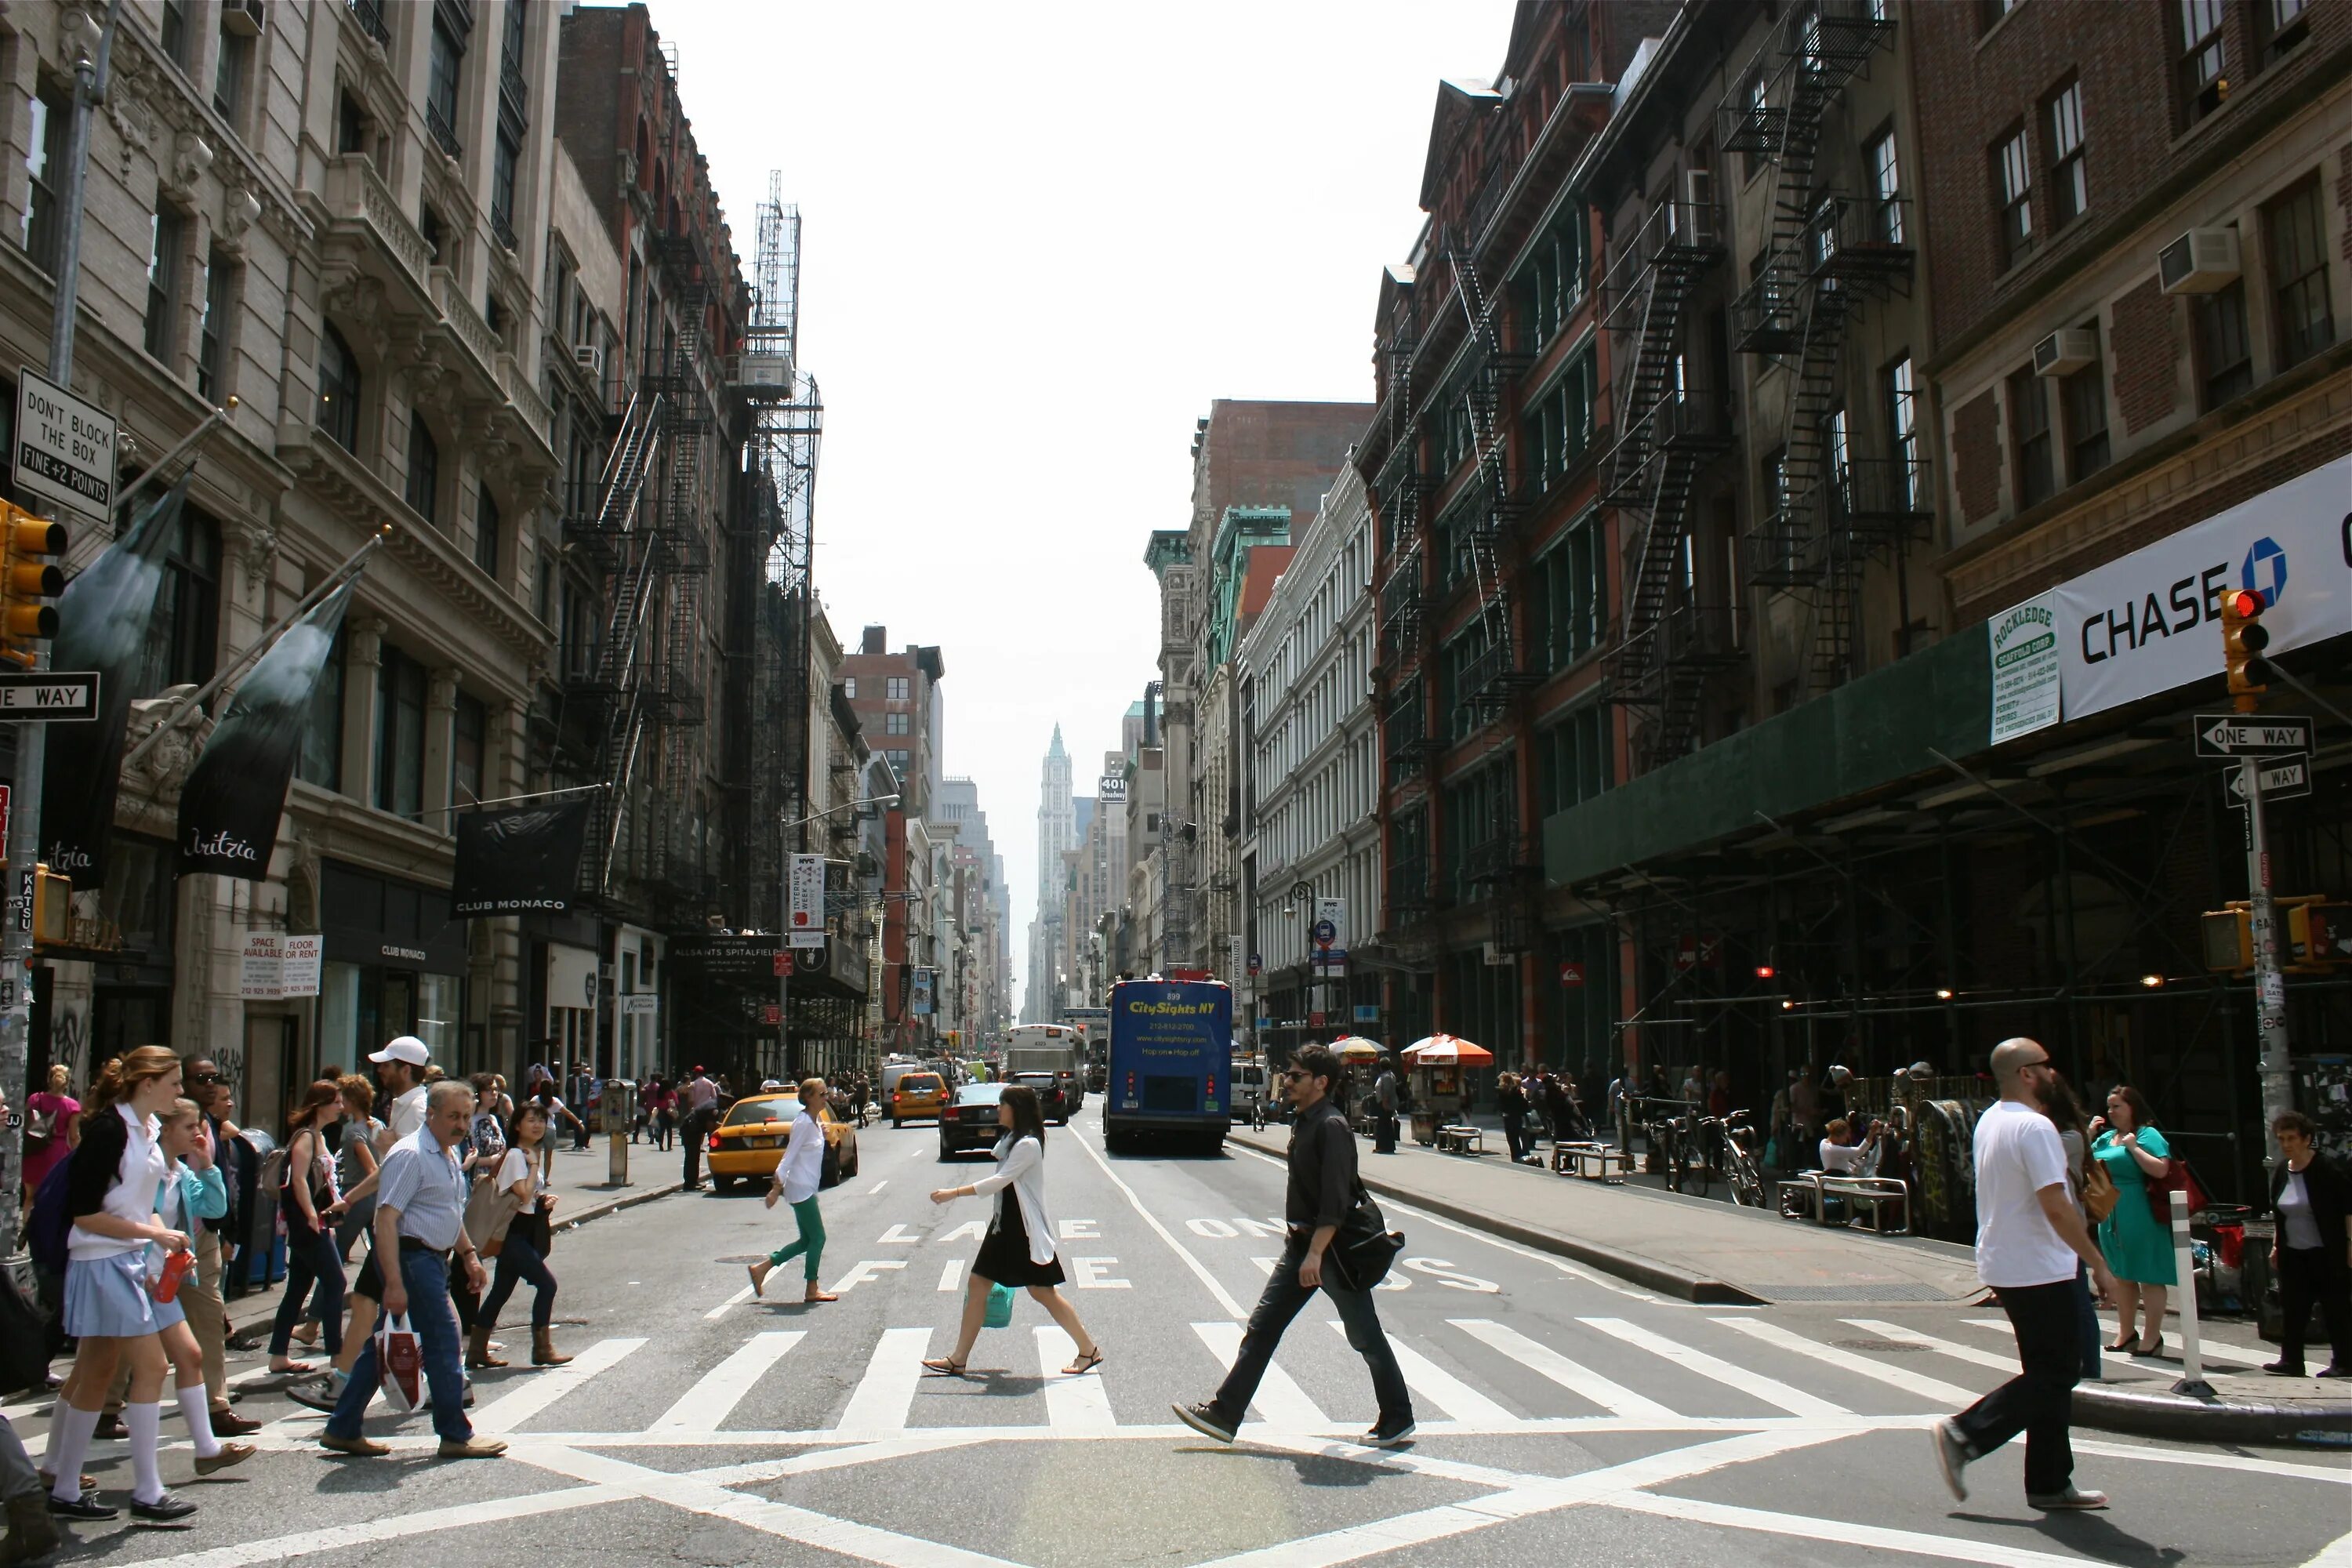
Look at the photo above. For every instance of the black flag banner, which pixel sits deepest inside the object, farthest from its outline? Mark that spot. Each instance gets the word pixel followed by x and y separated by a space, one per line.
pixel 522 860
pixel 229 809
pixel 104 616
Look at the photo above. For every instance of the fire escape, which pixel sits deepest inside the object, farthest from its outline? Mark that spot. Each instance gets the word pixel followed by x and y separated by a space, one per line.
pixel 1399 488
pixel 1670 423
pixel 1830 254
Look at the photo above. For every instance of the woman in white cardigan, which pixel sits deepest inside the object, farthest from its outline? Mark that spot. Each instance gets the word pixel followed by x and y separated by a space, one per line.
pixel 1019 1247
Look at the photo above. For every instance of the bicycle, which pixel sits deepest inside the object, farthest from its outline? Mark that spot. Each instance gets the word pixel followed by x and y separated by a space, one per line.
pixel 1686 1159
pixel 1743 1167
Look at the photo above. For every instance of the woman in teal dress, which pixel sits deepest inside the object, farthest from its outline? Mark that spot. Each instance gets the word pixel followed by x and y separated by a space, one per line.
pixel 2139 1247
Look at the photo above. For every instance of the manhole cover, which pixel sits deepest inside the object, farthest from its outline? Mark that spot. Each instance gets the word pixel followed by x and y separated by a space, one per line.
pixel 1877 1346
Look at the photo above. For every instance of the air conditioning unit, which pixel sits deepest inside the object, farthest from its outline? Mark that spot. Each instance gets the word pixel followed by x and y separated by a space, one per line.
pixel 2064 353
pixel 243 18
pixel 590 358
pixel 2198 262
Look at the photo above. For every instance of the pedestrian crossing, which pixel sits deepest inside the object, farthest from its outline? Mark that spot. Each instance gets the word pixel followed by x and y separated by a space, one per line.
pixel 1470 1376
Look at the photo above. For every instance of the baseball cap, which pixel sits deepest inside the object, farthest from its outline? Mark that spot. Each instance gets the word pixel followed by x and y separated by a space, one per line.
pixel 404 1048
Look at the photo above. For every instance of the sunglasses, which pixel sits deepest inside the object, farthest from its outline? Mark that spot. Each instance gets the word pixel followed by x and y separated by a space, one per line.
pixel 206 1078
pixel 1296 1075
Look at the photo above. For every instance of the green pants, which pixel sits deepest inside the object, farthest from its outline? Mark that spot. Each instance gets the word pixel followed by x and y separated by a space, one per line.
pixel 811 1241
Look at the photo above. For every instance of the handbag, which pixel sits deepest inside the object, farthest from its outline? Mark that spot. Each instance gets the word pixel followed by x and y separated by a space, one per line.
pixel 1365 1246
pixel 400 1364
pixel 2176 1178
pixel 1000 1307
pixel 2100 1193
pixel 489 1210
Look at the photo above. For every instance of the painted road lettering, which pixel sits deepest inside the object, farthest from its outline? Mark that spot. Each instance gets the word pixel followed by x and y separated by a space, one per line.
pixel 1444 1273
pixel 1088 1274
pixel 869 1269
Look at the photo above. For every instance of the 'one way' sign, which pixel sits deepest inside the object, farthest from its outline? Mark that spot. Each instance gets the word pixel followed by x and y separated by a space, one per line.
pixel 48 696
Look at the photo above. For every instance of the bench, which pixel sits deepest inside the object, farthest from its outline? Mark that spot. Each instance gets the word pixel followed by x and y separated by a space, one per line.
pixel 1461 1139
pixel 1872 1194
pixel 1596 1162
pixel 1801 1196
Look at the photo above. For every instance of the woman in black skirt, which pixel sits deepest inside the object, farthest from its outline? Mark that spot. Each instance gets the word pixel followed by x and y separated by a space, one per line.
pixel 1018 1249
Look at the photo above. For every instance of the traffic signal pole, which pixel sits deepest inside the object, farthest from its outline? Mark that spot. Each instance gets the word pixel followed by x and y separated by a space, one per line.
pixel 2269 983
pixel 32 740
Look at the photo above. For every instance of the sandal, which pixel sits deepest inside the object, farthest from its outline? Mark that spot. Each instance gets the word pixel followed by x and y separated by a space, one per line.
pixel 292 1369
pixel 1087 1361
pixel 946 1366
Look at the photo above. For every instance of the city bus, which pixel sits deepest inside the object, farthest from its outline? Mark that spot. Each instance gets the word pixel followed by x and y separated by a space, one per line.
pixel 1056 1048
pixel 1170 1061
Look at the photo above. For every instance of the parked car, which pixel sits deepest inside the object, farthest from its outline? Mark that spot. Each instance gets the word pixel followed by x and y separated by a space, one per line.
pixel 970 1122
pixel 749 1141
pixel 916 1096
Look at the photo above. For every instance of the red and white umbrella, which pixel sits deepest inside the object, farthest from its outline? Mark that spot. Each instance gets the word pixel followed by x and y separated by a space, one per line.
pixel 1448 1051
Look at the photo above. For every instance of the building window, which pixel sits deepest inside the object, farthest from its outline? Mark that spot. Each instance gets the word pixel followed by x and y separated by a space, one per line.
pixel 2296 232
pixel 1885 187
pixel 44 153
pixel 1903 431
pixel 1754 94
pixel 486 532
pixel 2084 396
pixel 1991 11
pixel 1554 282
pixel 469 747
pixel 849 688
pixel 173 31
pixel 229 76
pixel 166 236
pixel 423 469
pixel 183 640
pixel 894 723
pixel 503 157
pixel 1566 603
pixel 338 390
pixel 896 691
pixel 2202 67
pixel 320 760
pixel 212 335
pixel 2284 25
pixel 400 735
pixel 2225 354
pixel 1559 424
pixel 2070 190
pixel 2012 183
pixel 2029 437
pixel 1572 759
pixel 442 70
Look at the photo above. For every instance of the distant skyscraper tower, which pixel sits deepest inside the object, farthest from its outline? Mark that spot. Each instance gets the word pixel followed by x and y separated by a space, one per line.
pixel 1056 832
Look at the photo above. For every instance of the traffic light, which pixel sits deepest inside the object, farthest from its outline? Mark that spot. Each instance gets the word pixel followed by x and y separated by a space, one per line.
pixel 2243 638
pixel 28 580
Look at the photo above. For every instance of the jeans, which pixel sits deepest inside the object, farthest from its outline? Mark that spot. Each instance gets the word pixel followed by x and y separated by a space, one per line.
pixel 519 1259
pixel 2087 1313
pixel 310 1259
pixel 18 1478
pixel 1515 1137
pixel 2036 1400
pixel 1283 1298
pixel 2315 1274
pixel 811 1240
pixel 426 1277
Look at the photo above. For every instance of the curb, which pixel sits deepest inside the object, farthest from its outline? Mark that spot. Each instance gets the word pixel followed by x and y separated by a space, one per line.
pixel 614 1205
pixel 1642 1271
pixel 2302 1423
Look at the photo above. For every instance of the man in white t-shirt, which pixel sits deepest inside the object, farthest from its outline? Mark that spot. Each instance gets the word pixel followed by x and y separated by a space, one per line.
pixel 2028 1234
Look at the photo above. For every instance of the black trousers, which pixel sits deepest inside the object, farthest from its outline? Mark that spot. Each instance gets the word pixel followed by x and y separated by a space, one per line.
pixel 696 1134
pixel 2037 1401
pixel 2320 1276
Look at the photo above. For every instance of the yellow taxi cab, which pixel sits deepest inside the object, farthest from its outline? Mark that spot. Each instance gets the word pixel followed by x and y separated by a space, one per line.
pixel 749 1141
pixel 916 1095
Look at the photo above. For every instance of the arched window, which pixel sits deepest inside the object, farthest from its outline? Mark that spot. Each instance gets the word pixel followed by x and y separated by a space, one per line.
pixel 338 390
pixel 423 469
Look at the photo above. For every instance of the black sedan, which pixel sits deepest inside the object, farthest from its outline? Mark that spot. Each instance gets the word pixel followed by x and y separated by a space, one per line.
pixel 970 1121
pixel 1056 1093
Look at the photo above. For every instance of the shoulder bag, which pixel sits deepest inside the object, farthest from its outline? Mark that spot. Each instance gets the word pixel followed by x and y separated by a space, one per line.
pixel 489 1210
pixel 1365 1247
pixel 2099 1191
pixel 2176 1178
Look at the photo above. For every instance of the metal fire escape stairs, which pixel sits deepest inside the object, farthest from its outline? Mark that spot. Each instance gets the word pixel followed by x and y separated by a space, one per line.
pixel 631 555
pixel 1666 645
pixel 1830 254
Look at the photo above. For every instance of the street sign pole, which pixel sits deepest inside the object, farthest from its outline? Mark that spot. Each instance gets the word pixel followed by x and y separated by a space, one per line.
pixel 2270 986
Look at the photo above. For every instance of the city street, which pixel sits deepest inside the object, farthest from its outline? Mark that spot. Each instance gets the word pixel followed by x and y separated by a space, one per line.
pixel 1564 1415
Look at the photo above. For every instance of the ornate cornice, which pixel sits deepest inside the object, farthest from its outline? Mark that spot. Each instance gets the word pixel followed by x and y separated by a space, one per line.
pixel 200 141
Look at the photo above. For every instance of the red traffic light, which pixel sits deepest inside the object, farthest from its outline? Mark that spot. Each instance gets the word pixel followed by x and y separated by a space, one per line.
pixel 1765 971
pixel 2247 605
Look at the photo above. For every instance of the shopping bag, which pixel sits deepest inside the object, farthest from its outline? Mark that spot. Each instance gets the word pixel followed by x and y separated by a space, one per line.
pixel 1000 1307
pixel 400 1364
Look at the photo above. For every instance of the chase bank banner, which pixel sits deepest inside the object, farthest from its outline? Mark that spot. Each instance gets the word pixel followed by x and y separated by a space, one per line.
pixel 2149 622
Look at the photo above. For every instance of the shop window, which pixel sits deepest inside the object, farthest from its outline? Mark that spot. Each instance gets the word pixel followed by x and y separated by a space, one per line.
pixel 320 760
pixel 183 640
pixel 44 153
pixel 2295 231
pixel 400 736
pixel 338 390
pixel 2029 437
pixel 2225 354
pixel 469 750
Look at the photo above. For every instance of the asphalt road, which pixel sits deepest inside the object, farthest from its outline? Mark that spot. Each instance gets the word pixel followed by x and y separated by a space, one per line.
pixel 1564 1416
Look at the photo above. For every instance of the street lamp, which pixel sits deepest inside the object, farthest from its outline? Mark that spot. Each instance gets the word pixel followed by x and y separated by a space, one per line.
pixel 784 916
pixel 1302 898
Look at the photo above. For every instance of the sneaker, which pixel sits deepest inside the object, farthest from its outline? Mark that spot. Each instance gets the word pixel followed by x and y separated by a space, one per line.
pixel 1388 1435
pixel 2281 1369
pixel 2073 1499
pixel 165 1510
pixel 358 1448
pixel 1204 1419
pixel 1952 1456
pixel 473 1448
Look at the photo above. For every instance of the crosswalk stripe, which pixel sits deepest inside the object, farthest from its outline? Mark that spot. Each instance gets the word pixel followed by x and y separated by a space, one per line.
pixel 1577 1378
pixel 1770 1390
pixel 1933 1389
pixel 1969 1354
pixel 705 1407
pixel 1440 1387
pixel 1279 1401
pixel 883 1395
pixel 1076 1405
pixel 541 1389
pixel 737 1300
pixel 2211 1349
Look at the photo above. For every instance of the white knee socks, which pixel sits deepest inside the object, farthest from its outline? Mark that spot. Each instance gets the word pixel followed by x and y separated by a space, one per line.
pixel 195 1408
pixel 70 1446
pixel 144 1422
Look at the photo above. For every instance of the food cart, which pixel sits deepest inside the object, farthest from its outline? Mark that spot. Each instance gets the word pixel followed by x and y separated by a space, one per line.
pixel 1439 1066
pixel 1360 1062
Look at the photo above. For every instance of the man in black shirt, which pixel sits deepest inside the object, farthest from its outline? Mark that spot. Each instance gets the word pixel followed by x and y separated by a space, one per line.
pixel 1322 1190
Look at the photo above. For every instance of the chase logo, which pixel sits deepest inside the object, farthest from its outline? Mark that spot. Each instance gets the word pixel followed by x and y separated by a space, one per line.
pixel 2264 570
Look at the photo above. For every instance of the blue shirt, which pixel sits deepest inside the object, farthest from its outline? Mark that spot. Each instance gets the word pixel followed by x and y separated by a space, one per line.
pixel 420 1179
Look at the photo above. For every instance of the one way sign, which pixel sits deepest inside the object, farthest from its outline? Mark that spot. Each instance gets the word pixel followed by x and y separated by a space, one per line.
pixel 2228 735
pixel 2287 776
pixel 48 696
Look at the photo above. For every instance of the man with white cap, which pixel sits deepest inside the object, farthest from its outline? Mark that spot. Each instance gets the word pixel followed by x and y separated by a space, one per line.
pixel 400 1073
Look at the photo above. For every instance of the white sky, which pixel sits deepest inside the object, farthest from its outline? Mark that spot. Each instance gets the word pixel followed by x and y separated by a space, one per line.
pixel 1037 241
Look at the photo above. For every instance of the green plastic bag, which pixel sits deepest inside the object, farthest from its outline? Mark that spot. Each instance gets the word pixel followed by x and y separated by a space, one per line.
pixel 1000 1307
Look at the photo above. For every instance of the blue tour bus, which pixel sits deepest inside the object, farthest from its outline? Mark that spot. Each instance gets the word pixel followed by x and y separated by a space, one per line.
pixel 1171 1059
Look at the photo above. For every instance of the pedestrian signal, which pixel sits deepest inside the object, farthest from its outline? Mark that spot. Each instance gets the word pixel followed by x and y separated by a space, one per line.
pixel 2243 638
pixel 28 580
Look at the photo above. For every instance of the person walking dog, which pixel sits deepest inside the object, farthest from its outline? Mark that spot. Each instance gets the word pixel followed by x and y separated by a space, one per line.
pixel 2029 1234
pixel 1322 1190
pixel 1019 1247
pixel 798 1176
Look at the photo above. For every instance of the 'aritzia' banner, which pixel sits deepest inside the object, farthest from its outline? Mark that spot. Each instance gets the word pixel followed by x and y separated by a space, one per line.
pixel 520 862
pixel 104 617
pixel 229 809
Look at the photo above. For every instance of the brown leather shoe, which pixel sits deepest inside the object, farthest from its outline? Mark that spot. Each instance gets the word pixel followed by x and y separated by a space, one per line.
pixel 225 1425
pixel 473 1448
pixel 357 1448
pixel 230 1453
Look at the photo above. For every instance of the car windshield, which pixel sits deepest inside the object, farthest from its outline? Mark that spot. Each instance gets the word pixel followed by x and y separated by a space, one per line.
pixel 744 1112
